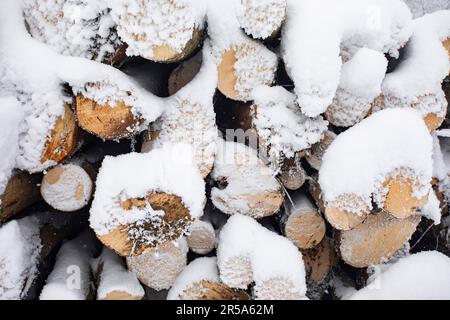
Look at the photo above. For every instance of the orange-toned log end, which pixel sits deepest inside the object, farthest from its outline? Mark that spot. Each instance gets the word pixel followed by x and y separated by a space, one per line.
pixel 64 138
pixel 105 121
pixel 319 261
pixel 376 240
pixel 305 228
pixel 342 219
pixel 227 78
pixel 208 290
pixel 21 191
pixel 120 295
pixel 400 201
pixel 127 240
pixel 433 121
pixel 166 54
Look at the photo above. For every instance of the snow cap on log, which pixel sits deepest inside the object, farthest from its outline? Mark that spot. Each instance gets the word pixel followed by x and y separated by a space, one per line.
pixel 243 63
pixel 114 281
pixel 416 82
pixel 160 30
pixel 312 58
pixel 129 186
pixel 410 278
pixel 250 187
pixel 261 19
pixel 359 85
pixel 18 261
pixel 248 253
pixel 189 116
pixel 200 281
pixel 387 157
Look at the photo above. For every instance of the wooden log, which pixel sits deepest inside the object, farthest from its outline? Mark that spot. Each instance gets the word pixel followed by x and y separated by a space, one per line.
pixel 184 73
pixel 291 173
pixel 261 20
pixel 314 155
pixel 201 237
pixel 68 187
pixel 114 282
pixel 301 222
pixel 378 238
pixel 160 37
pixel 316 193
pixel 200 281
pixel 158 268
pixel 343 219
pixel 21 191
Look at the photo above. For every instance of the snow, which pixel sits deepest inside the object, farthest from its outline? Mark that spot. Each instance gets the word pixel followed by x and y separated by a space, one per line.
pixel 361 158
pixel 144 25
pixel 261 18
pixel 246 177
pixel 417 80
pixel 431 209
pixel 280 124
pixel 70 278
pixel 271 257
pixel 201 269
pixel 410 279
pixel 115 277
pixel 170 169
pixel 10 117
pixel 321 26
pixel 80 28
pixel 422 7
pixel 19 261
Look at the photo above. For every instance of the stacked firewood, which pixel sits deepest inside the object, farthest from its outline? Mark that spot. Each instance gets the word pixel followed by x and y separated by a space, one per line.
pixel 217 149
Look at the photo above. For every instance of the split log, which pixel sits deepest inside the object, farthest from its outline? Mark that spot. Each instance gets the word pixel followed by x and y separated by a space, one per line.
pixel 315 154
pixel 243 64
pixel 248 253
pixel 68 187
pixel 201 237
pixel 261 19
pixel 71 276
pixel 114 282
pixel 200 281
pixel 127 217
pixel 184 73
pixel 159 267
pixel 21 191
pixel 246 185
pixel 301 222
pixel 160 37
pixel 378 238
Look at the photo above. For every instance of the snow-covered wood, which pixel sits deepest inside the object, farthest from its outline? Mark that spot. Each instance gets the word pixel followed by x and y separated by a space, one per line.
pixel 301 222
pixel 376 160
pixel 243 63
pixel 249 253
pixel 162 31
pixel 291 173
pixel 145 199
pixel 246 185
pixel 376 239
pixel 314 154
pixel 200 281
pixel 201 237
pixel 114 282
pixel 158 268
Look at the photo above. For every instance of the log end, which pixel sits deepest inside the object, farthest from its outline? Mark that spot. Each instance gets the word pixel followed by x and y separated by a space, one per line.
pixel 209 290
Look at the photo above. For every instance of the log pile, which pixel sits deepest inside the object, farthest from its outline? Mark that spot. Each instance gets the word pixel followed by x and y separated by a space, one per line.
pixel 219 150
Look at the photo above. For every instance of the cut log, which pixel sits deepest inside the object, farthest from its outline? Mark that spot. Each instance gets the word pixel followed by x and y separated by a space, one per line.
pixel 314 155
pixel 291 173
pixel 246 185
pixel 201 237
pixel 200 281
pixel 243 64
pixel 375 240
pixel 130 217
pixel 71 275
pixel 301 222
pixel 261 19
pixel 169 31
pixel 67 187
pixel 64 138
pixel 248 253
pixel 184 73
pixel 114 282
pixel 21 191
pixel 346 219
pixel 158 268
